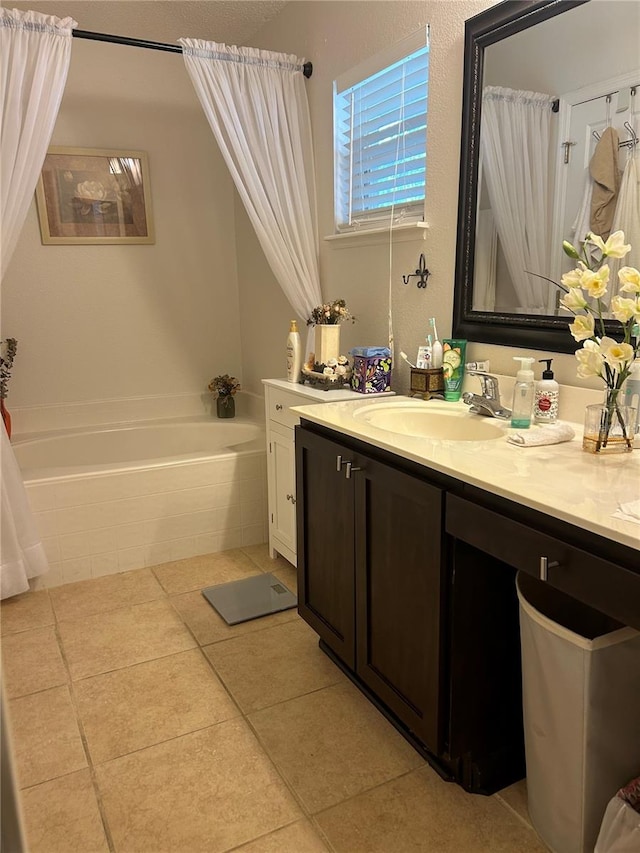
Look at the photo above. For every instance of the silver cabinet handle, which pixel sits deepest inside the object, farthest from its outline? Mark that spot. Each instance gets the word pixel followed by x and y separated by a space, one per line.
pixel 348 469
pixel 291 498
pixel 339 463
pixel 279 407
pixel 545 565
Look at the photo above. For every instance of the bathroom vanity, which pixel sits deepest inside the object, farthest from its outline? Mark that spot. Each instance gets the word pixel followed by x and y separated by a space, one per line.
pixel 408 548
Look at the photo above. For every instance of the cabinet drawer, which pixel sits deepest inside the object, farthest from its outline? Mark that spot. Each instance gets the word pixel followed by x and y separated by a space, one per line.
pixel 279 405
pixel 586 576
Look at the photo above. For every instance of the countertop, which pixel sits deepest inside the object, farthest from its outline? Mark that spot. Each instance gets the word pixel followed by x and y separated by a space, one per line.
pixel 561 480
pixel 320 394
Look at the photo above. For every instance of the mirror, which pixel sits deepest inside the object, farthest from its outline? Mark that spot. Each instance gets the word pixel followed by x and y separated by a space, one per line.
pixel 522 47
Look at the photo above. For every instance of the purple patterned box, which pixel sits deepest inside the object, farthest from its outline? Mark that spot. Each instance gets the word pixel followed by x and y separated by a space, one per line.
pixel 371 374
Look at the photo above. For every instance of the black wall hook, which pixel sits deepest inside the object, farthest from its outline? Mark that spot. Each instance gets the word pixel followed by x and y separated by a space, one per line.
pixel 422 273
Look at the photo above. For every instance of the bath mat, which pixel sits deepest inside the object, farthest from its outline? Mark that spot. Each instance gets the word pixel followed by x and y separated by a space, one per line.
pixel 241 601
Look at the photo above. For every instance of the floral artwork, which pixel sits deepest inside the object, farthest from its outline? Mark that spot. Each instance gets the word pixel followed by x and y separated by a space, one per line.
pixel 88 195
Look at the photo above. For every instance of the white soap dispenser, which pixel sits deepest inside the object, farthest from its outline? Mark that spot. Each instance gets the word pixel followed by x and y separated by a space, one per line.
pixel 523 394
pixel 294 353
pixel 545 407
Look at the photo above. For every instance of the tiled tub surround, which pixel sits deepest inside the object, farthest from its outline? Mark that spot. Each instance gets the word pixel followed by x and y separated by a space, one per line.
pixel 98 519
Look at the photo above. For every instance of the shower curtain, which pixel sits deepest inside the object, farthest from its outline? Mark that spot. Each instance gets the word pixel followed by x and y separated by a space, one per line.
pixel 514 149
pixel 35 51
pixel 256 104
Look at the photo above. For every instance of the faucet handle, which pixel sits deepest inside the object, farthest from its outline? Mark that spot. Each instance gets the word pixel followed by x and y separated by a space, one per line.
pixel 489 384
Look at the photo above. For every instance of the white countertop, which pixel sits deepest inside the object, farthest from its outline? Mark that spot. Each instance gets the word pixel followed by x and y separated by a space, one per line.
pixel 320 394
pixel 561 480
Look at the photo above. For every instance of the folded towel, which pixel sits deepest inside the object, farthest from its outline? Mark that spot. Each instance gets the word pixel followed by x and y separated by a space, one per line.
pixel 628 512
pixel 371 352
pixel 549 434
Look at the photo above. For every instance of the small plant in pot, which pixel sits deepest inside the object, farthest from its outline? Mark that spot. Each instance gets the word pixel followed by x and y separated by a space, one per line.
pixel 224 387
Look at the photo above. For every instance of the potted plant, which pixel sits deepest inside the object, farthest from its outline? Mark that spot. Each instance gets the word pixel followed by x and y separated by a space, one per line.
pixel 224 387
pixel 7 354
pixel 326 319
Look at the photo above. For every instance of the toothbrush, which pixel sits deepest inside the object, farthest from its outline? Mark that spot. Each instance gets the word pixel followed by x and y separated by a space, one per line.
pixel 404 356
pixel 436 359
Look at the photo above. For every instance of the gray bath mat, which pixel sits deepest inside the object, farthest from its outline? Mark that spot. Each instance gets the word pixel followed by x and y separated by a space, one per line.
pixel 240 601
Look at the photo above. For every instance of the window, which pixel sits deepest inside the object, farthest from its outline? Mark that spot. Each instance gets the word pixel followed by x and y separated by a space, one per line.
pixel 380 137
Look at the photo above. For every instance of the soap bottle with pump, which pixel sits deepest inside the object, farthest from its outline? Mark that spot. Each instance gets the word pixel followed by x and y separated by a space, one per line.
pixel 294 352
pixel 632 382
pixel 523 394
pixel 545 407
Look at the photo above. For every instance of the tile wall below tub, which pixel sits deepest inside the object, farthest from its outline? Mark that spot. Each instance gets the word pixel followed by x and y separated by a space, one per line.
pixel 115 522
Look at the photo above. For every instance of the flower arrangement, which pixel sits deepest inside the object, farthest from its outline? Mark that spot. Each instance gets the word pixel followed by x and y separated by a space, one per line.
pixel 224 386
pixel 8 349
pixel 330 314
pixel 600 355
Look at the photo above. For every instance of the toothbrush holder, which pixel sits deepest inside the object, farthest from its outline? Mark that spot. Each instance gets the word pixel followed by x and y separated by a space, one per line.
pixel 424 383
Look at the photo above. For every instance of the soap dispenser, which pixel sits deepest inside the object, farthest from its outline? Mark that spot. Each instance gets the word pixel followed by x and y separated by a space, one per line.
pixel 545 407
pixel 523 394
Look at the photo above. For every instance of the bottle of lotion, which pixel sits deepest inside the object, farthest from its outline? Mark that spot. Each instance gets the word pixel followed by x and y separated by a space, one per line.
pixel 294 353
pixel 545 407
pixel 523 393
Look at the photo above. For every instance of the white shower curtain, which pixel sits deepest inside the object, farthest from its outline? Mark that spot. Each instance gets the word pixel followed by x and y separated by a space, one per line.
pixel 35 51
pixel 256 104
pixel 514 149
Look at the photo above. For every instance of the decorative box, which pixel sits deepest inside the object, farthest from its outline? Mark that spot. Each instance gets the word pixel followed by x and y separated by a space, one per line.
pixel 424 383
pixel 371 374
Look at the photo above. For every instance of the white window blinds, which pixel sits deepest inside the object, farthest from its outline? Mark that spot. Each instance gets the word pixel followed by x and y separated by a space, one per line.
pixel 380 127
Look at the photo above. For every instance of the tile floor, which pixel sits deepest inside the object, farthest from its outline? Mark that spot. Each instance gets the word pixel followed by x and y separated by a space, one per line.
pixel 141 722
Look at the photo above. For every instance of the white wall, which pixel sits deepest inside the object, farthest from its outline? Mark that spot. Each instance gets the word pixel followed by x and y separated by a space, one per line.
pixel 335 36
pixel 107 322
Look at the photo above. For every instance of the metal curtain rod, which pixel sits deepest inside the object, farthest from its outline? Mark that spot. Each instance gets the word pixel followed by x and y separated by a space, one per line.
pixel 307 68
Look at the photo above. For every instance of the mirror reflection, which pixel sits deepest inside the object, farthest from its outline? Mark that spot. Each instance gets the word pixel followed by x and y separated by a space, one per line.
pixel 558 153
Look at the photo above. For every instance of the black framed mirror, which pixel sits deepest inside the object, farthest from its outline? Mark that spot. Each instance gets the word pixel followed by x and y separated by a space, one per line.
pixel 540 331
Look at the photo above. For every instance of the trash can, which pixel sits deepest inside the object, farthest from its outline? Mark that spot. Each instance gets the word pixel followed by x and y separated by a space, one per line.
pixel 581 706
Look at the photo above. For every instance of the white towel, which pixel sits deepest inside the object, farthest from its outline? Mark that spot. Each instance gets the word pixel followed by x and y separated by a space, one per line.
pixel 628 512
pixel 548 434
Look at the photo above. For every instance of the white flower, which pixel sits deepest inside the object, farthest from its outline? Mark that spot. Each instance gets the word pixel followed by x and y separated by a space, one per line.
pixel 92 190
pixel 574 299
pixel 342 359
pixel 332 362
pixel 595 282
pixel 341 370
pixel 629 278
pixel 328 371
pixel 590 360
pixel 574 278
pixel 623 309
pixel 583 327
pixel 615 246
pixel 617 355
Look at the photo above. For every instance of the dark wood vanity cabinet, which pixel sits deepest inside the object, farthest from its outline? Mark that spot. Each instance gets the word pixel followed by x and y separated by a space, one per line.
pixel 370 576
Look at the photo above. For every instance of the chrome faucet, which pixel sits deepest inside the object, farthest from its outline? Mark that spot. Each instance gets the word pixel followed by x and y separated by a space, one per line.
pixel 488 403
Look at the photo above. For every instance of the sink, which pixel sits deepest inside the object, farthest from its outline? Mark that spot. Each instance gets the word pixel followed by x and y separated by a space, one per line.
pixel 434 423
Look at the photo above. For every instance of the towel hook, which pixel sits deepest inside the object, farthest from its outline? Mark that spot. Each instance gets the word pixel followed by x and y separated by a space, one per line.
pixel 422 273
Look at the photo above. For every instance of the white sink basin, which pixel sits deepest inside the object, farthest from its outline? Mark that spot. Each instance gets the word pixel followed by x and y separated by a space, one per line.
pixel 434 423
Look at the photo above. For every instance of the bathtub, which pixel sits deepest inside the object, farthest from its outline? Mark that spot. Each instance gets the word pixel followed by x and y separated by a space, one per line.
pixel 122 497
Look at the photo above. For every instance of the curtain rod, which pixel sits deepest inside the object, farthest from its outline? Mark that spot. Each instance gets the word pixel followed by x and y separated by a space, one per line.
pixel 307 68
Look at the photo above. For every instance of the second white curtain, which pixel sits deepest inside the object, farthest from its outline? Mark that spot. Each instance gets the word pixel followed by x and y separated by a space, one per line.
pixel 256 104
pixel 514 149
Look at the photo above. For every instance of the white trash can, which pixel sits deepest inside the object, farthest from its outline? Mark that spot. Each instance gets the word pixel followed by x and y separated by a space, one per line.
pixel 581 705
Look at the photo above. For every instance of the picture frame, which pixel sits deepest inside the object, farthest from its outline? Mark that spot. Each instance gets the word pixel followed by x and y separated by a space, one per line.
pixel 94 196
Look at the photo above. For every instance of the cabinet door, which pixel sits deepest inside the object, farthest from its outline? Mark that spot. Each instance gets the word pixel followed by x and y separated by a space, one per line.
pixel 398 595
pixel 325 542
pixel 282 488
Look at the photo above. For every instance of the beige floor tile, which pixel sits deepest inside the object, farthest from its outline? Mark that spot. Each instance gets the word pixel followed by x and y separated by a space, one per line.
pixel 419 813
pixel 288 574
pixel 298 837
pixel 29 610
pixel 206 791
pixel 207 570
pixel 271 666
pixel 98 595
pixel 208 626
pixel 260 556
pixel 46 738
pixel 151 702
pixel 515 797
pixel 62 816
pixel 31 661
pixel 332 744
pixel 122 638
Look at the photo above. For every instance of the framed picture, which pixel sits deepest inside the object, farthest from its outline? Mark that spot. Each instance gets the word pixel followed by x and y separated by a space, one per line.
pixel 89 195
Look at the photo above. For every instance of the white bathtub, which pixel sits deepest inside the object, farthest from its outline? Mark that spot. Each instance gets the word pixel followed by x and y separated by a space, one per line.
pixel 122 497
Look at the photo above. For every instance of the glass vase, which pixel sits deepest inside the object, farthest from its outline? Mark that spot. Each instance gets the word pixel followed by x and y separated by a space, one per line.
pixel 609 426
pixel 225 406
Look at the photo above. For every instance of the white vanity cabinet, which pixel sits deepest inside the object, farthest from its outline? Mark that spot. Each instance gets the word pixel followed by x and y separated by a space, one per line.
pixel 280 397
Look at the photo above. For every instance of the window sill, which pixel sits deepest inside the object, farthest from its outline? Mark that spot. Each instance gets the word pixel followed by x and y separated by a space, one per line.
pixel 374 236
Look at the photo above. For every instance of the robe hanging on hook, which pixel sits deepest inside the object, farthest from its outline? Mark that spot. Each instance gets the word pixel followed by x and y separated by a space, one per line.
pixel 422 273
